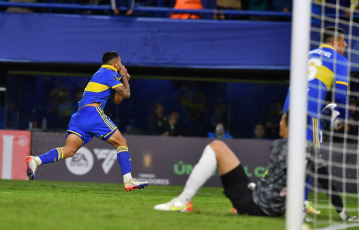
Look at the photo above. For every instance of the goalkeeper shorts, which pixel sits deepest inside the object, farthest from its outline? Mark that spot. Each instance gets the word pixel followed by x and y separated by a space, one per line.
pixel 235 185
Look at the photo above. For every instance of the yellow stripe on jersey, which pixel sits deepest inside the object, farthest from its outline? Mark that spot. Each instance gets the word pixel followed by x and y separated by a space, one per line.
pixel 354 4
pixel 109 67
pixel 96 87
pixel 341 83
pixel 325 75
pixel 116 86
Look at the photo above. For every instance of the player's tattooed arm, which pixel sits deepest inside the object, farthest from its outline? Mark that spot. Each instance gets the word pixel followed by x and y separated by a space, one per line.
pixel 124 90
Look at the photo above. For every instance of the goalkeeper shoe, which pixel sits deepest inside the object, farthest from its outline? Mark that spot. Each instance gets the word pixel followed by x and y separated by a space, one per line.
pixel 311 209
pixel 133 184
pixel 31 167
pixel 175 205
pixel 345 217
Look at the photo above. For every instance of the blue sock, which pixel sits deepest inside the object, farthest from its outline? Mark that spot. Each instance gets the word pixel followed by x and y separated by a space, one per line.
pixel 52 156
pixel 124 159
pixel 307 188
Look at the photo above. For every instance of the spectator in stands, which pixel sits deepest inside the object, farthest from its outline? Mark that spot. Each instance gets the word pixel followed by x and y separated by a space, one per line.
pixel 353 6
pixel 345 5
pixel 132 128
pixel 189 5
pixel 272 119
pixel 221 115
pixel 282 5
pixel 258 5
pixel 78 95
pixel 171 125
pixel 226 5
pixel 20 9
pixel 130 4
pixel 259 132
pixel 353 121
pixel 220 132
pixel 155 123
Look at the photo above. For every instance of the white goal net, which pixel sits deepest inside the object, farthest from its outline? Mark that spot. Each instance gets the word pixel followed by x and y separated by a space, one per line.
pixel 339 148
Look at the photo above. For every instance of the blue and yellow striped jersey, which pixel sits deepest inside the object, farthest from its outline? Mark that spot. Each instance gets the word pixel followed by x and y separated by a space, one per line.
pixel 325 66
pixel 101 86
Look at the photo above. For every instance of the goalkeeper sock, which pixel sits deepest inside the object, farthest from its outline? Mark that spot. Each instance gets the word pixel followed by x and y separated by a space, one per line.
pixel 200 174
pixel 124 159
pixel 334 197
pixel 51 156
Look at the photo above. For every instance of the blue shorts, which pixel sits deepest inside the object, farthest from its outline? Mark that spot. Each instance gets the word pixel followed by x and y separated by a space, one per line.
pixel 89 122
pixel 314 131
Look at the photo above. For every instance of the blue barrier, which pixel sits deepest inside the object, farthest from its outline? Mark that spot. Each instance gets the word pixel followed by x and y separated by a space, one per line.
pixel 145 41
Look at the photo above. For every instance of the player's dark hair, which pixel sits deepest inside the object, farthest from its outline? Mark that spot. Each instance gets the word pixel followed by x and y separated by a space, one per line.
pixel 330 32
pixel 108 56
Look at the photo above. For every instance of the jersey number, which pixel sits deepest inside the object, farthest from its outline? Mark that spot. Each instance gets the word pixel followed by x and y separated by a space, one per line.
pixel 313 66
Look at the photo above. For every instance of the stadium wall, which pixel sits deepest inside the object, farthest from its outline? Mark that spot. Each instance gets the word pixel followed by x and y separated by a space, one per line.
pixel 14 147
pixel 150 42
pixel 161 160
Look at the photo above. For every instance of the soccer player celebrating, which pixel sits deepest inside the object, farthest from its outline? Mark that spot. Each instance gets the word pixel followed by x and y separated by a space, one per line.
pixel 268 196
pixel 110 81
pixel 326 65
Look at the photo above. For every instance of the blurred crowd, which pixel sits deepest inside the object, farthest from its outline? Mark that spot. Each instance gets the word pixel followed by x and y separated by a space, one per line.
pixel 181 115
pixel 218 5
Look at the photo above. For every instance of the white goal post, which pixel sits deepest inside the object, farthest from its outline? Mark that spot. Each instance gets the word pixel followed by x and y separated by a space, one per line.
pixel 297 116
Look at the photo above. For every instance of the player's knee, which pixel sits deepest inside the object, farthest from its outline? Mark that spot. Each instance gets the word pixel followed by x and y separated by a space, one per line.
pixel 69 152
pixel 121 142
pixel 221 149
pixel 217 146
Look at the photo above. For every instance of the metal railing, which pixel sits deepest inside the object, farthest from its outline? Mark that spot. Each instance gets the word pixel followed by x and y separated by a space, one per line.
pixel 164 10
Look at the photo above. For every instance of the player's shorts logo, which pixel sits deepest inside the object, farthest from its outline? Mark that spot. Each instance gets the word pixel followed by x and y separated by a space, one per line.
pixel 81 163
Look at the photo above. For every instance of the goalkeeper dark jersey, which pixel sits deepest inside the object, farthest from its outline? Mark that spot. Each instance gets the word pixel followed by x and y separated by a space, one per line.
pixel 270 192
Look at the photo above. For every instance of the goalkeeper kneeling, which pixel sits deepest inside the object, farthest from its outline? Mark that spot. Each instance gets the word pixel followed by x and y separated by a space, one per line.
pixel 268 196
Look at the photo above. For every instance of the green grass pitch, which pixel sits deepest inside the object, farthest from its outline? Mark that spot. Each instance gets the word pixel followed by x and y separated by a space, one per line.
pixel 73 205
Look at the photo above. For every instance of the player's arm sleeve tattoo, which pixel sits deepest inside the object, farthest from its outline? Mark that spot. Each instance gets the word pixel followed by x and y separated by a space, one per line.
pixel 124 89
